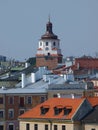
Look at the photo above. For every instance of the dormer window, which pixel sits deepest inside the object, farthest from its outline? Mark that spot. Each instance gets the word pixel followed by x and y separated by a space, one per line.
pixel 44 109
pixel 67 110
pixel 57 110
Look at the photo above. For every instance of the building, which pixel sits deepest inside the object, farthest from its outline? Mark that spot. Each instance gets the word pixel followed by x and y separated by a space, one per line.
pixel 15 100
pixel 56 113
pixel 2 58
pixel 71 90
pixel 49 52
pixel 90 122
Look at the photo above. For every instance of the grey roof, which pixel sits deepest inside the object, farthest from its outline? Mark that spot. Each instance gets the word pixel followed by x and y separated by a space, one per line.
pixel 37 87
pixel 92 117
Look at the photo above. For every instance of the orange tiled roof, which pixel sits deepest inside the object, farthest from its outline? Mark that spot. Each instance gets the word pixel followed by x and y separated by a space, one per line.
pixel 54 102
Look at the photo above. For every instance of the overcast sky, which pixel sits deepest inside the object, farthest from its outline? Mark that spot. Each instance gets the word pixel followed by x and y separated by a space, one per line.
pixel 22 22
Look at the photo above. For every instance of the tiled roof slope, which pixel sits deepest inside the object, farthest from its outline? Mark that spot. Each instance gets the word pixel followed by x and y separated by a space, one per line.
pixel 51 104
pixel 92 116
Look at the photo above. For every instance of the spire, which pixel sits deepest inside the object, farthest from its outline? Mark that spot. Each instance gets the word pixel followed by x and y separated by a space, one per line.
pixel 49 27
pixel 49 33
pixel 49 17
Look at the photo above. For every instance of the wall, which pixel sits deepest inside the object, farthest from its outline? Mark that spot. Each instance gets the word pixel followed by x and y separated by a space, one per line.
pixel 41 125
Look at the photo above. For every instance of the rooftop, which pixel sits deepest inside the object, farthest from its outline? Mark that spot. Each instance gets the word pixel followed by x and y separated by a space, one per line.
pixel 67 103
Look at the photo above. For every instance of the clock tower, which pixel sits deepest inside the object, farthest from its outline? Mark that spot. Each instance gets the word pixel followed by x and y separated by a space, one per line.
pixel 49 52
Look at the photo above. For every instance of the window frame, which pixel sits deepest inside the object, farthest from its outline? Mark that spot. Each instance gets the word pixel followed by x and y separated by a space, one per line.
pixel 2 113
pixel 42 99
pixel 11 124
pixel 47 43
pixel 27 126
pixel 55 127
pixel 63 127
pixel 29 101
pixel 11 113
pixel 46 127
pixel 21 110
pixel 11 100
pixel 35 126
pixel 1 100
pixel 54 43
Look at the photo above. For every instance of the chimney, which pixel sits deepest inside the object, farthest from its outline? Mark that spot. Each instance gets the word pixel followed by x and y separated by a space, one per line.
pixel 58 95
pixel 27 65
pixel 72 95
pixel 23 79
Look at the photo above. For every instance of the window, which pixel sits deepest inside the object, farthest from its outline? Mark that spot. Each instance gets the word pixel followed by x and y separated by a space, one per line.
pixel 11 113
pixel 63 127
pixel 1 113
pixel 55 127
pixel 57 110
pixel 11 127
pixel 46 48
pixel 11 100
pixel 54 44
pixel 44 110
pixel 46 43
pixel 35 126
pixel 1 127
pixel 21 101
pixel 1 100
pixel 40 43
pixel 55 95
pixel 46 127
pixel 21 112
pixel 27 127
pixel 42 99
pixel 67 111
pixel 48 54
pixel 29 100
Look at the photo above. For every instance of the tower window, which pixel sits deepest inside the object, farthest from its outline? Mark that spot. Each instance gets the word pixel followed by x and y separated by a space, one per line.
pixel 40 43
pixel 48 54
pixel 46 48
pixel 54 43
pixel 46 43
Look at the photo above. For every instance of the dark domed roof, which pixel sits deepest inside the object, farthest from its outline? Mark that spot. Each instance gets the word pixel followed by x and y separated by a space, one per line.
pixel 49 34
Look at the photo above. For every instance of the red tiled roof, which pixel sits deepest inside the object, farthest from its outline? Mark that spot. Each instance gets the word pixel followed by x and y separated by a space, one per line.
pixel 54 102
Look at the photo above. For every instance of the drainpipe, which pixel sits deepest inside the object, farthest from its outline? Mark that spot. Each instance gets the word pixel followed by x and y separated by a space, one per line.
pixel 50 124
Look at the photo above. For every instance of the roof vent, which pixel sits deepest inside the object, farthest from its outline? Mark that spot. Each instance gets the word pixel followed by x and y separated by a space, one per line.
pixel 4 88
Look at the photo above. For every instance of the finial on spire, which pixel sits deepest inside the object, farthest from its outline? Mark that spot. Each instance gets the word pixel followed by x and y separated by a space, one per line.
pixel 49 17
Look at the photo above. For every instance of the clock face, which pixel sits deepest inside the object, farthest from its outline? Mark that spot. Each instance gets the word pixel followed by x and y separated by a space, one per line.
pixel 46 48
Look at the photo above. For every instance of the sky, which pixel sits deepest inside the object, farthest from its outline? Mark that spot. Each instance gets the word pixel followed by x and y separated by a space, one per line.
pixel 23 22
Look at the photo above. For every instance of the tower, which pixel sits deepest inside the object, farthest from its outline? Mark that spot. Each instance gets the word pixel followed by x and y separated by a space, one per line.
pixel 48 52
